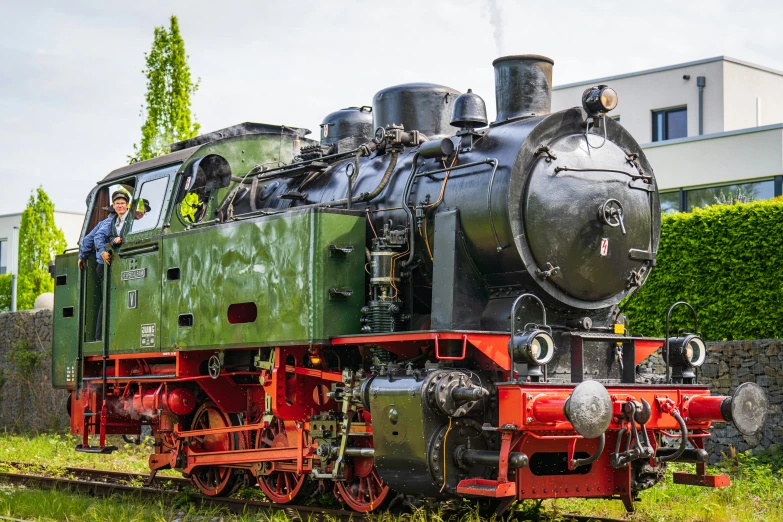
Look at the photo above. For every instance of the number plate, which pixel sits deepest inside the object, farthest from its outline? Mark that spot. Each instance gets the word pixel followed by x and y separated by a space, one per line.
pixel 134 274
pixel 148 335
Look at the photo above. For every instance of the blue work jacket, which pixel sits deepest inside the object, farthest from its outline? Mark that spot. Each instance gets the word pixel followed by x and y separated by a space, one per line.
pixel 96 239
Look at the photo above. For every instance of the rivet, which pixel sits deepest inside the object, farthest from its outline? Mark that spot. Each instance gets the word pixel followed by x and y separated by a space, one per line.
pixel 530 420
pixel 530 397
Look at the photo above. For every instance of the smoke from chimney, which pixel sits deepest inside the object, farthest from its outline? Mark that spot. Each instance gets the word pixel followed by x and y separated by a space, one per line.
pixel 496 19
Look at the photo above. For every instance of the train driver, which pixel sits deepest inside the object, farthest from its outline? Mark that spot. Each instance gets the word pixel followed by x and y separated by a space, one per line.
pixel 96 241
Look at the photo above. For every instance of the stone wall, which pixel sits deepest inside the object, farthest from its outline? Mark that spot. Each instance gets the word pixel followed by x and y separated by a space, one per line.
pixel 27 400
pixel 729 364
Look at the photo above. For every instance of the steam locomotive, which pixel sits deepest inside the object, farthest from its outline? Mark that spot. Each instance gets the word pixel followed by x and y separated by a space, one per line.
pixel 421 305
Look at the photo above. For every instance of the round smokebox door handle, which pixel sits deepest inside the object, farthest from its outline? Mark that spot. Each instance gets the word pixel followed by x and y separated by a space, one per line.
pixel 611 213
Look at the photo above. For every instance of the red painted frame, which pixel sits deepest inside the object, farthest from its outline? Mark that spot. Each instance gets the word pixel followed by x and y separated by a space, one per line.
pixel 531 418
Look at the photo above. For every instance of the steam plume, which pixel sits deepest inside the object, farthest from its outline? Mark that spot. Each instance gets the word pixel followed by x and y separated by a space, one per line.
pixel 496 19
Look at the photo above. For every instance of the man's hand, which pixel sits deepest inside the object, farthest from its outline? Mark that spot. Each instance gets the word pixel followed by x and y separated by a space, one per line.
pixel 117 241
pixel 81 264
pixel 106 257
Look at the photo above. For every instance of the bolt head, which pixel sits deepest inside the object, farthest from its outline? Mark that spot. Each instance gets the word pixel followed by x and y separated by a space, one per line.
pixel 529 419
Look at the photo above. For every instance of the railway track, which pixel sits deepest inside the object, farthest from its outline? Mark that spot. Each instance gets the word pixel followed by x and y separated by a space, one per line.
pixel 106 482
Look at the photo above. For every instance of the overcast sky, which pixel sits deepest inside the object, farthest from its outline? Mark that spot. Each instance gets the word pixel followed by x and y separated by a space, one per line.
pixel 71 86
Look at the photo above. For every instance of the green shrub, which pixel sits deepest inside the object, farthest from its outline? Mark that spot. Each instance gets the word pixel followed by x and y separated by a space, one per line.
pixel 24 359
pixel 5 292
pixel 727 262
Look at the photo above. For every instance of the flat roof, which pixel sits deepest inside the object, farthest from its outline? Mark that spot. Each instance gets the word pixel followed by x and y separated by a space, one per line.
pixel 668 68
pixel 712 136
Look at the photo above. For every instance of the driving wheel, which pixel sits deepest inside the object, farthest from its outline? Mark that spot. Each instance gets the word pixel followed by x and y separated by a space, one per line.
pixel 214 481
pixel 283 484
pixel 363 490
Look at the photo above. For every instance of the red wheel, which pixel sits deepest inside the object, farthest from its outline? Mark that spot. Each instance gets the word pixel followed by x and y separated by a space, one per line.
pixel 282 487
pixel 214 481
pixel 364 491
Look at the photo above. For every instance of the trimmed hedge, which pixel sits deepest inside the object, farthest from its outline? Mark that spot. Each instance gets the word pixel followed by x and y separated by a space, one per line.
pixel 727 262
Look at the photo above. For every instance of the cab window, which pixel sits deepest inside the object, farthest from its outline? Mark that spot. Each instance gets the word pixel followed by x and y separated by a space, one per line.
pixel 146 208
pixel 101 207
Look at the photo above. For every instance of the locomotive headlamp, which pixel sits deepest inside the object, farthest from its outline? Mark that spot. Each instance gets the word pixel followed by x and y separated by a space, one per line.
pixel 534 347
pixel 688 350
pixel 599 100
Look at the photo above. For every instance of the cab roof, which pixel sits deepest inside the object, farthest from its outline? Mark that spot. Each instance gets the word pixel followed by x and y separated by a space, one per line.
pixel 182 150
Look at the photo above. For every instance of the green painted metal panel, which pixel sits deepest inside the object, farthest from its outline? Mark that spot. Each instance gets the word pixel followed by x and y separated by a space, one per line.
pixel 134 302
pixel 65 337
pixel 281 263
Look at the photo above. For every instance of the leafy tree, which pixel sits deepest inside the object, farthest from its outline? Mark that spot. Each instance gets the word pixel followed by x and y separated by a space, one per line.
pixel 39 241
pixel 169 88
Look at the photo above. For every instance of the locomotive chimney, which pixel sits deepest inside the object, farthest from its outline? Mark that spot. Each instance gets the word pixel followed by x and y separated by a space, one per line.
pixel 523 85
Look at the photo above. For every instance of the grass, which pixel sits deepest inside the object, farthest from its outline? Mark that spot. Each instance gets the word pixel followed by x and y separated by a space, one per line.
pixel 61 506
pixel 756 493
pixel 57 450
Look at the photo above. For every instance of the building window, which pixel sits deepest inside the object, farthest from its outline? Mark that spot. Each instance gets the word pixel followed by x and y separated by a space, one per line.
pixel 670 124
pixel 670 202
pixel 709 196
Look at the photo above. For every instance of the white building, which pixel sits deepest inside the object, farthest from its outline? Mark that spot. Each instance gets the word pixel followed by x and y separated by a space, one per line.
pixel 708 127
pixel 69 222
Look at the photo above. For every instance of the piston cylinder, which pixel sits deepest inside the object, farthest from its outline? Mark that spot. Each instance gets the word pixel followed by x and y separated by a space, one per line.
pixel 179 401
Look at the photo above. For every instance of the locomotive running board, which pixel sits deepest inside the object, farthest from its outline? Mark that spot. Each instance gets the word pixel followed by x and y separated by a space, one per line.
pixel 707 481
pixel 478 487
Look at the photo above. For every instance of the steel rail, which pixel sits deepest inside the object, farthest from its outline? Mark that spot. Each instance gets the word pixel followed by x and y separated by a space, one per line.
pixel 104 488
pixel 108 482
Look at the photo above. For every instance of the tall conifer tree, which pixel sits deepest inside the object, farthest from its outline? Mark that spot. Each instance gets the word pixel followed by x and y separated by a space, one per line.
pixel 169 88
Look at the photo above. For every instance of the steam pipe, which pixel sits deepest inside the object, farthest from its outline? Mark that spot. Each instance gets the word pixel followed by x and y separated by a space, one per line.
pixel 470 457
pixel 411 220
pixel 367 196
